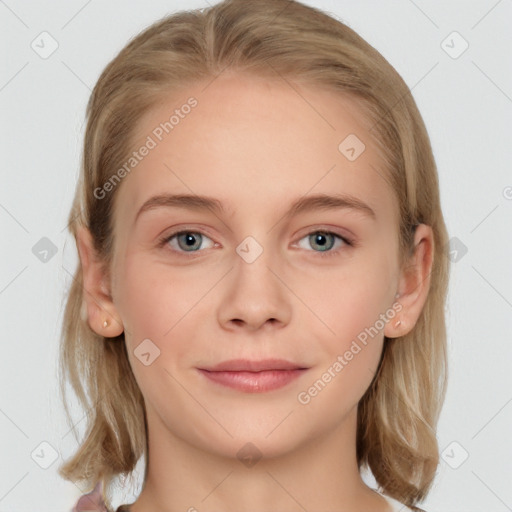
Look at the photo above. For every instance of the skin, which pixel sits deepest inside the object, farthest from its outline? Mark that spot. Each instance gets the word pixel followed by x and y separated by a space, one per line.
pixel 256 145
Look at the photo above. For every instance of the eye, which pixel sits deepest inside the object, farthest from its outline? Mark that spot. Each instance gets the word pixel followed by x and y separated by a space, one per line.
pixel 185 241
pixel 324 241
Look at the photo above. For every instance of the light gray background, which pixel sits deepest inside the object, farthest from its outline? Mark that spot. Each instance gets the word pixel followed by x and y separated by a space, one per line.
pixel 467 107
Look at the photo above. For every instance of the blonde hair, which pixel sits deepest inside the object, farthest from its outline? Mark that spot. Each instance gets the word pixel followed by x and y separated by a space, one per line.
pixel 397 416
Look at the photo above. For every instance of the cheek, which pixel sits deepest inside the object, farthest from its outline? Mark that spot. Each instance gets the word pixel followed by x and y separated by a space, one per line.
pixel 351 347
pixel 348 300
pixel 153 297
pixel 163 305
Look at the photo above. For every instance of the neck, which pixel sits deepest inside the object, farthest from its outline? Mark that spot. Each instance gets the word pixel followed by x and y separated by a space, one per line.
pixel 322 475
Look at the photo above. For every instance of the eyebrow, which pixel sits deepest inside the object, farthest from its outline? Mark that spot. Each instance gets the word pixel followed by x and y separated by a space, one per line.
pixel 301 205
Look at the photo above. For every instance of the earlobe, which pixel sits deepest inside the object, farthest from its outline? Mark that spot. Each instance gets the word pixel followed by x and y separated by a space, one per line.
pixel 101 313
pixel 414 284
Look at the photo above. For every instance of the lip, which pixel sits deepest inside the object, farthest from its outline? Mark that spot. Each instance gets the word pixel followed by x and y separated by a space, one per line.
pixel 247 365
pixel 254 376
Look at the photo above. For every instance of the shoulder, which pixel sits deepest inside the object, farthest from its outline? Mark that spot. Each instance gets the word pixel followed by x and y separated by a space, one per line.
pixel 396 506
pixel 91 502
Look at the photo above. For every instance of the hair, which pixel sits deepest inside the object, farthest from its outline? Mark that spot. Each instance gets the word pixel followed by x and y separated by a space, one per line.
pixel 398 414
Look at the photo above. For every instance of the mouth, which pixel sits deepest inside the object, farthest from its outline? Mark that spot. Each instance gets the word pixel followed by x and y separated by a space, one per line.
pixel 254 376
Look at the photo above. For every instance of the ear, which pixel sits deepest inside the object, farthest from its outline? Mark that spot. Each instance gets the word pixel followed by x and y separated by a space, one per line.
pixel 414 284
pixel 96 293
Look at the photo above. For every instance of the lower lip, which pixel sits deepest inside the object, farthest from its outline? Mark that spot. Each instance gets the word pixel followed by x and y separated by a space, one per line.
pixel 254 382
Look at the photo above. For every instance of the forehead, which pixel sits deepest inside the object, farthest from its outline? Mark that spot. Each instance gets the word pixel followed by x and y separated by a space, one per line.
pixel 254 143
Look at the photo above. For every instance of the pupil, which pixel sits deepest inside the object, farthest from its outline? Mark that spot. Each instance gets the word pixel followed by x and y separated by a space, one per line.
pixel 189 240
pixel 320 239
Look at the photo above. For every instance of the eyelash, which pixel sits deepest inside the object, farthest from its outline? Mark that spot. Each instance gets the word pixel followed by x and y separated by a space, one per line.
pixel 323 254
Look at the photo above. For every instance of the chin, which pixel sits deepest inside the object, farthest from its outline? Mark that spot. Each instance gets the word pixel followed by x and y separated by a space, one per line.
pixel 253 442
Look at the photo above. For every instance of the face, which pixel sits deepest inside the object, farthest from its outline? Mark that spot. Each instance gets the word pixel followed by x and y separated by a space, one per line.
pixel 253 279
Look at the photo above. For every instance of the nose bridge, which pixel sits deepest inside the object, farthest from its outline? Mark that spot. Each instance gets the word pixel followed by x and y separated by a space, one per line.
pixel 255 293
pixel 253 267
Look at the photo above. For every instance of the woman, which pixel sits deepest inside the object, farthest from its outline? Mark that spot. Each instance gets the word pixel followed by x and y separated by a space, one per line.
pixel 259 305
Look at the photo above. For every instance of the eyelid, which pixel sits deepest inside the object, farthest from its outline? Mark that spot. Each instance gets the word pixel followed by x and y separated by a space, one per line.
pixel 347 243
pixel 347 240
pixel 347 237
pixel 165 239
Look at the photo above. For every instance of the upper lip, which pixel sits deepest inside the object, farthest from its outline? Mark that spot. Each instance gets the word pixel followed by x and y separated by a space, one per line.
pixel 247 365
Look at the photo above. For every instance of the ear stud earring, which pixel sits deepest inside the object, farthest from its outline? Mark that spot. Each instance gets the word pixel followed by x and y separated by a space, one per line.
pixel 398 323
pixel 105 323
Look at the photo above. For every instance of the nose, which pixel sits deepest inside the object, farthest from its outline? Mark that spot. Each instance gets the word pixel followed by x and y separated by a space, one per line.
pixel 254 295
